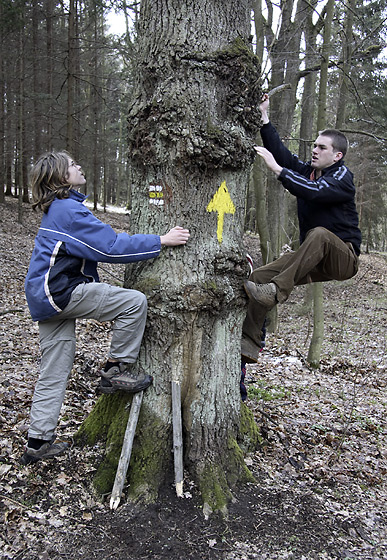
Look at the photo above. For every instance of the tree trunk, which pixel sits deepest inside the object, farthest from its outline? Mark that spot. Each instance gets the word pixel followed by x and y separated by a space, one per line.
pixel 36 64
pixel 315 346
pixel 258 181
pixel 70 77
pixel 347 60
pixel 308 92
pixel 318 293
pixel 285 70
pixel 22 167
pixel 48 10
pixel 325 53
pixel 2 110
pixel 192 125
pixel 285 62
pixel 95 108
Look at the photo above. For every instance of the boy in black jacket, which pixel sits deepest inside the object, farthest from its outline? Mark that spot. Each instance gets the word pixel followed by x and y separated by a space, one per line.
pixel 328 221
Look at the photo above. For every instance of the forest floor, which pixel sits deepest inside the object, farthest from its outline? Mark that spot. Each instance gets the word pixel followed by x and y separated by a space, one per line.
pixel 321 484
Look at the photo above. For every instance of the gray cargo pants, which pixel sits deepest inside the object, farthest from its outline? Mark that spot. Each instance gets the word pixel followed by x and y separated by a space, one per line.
pixel 103 302
pixel 321 257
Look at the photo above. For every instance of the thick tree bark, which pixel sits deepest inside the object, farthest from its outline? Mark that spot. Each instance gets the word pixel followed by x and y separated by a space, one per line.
pixel 192 124
pixel 191 132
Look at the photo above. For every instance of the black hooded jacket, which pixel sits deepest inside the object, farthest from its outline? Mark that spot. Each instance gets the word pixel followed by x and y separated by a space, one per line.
pixel 328 201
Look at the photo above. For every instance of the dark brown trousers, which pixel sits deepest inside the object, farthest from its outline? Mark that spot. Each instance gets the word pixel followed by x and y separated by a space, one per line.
pixel 321 257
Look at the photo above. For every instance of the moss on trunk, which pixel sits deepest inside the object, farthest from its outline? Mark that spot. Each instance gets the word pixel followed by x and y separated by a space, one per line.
pixel 192 122
pixel 249 437
pixel 150 455
pixel 217 479
pixel 151 459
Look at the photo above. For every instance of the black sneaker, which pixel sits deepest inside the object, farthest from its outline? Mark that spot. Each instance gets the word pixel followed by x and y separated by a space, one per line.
pixel 46 451
pixel 120 378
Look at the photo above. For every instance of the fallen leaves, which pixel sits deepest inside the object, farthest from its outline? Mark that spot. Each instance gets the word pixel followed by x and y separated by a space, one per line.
pixel 324 430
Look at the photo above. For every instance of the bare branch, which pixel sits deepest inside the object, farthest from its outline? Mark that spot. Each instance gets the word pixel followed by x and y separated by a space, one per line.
pixel 278 89
pixel 365 133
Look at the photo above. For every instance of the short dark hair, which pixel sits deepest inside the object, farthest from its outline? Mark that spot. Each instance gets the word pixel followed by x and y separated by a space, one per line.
pixel 48 179
pixel 339 140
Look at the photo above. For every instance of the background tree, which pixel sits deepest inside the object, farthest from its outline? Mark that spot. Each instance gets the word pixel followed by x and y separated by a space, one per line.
pixel 351 49
pixel 2 105
pixel 318 307
pixel 67 59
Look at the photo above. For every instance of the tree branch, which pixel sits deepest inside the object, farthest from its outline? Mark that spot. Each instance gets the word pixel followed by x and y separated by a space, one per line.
pixel 278 89
pixel 364 133
pixel 374 51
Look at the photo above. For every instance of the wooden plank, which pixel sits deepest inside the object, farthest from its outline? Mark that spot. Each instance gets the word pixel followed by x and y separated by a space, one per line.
pixel 177 437
pixel 126 451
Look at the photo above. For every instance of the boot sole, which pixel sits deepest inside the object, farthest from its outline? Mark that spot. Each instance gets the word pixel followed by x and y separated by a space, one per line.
pixel 116 387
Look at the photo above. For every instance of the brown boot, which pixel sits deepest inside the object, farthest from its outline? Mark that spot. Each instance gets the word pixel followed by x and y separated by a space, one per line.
pixel 264 294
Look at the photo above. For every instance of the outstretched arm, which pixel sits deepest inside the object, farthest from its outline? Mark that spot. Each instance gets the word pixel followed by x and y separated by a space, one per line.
pixel 264 106
pixel 175 236
pixel 268 158
pixel 274 144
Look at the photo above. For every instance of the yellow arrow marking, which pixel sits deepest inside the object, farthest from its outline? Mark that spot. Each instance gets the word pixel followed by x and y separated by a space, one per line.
pixel 221 202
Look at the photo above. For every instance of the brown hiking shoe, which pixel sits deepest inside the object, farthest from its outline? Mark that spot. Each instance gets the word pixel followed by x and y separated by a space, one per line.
pixel 47 451
pixel 264 294
pixel 121 378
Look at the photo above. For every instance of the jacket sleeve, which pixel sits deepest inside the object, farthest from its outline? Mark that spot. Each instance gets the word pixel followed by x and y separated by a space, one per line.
pixel 91 239
pixel 330 188
pixel 282 155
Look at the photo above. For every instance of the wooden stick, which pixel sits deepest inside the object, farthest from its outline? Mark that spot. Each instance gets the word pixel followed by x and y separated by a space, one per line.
pixel 177 437
pixel 126 451
pixel 278 89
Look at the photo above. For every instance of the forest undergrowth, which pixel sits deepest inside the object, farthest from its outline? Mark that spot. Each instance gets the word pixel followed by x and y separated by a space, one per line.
pixel 320 489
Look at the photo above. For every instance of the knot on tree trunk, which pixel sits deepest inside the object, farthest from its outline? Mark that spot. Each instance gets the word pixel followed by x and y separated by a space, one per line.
pixel 198 108
pixel 213 294
pixel 221 288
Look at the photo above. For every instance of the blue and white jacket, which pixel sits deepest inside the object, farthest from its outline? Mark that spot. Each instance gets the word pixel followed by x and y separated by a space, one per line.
pixel 328 202
pixel 69 244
